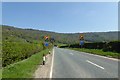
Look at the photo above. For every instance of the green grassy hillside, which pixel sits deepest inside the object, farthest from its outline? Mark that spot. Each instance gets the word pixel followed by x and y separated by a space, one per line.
pixel 19 44
pixel 31 35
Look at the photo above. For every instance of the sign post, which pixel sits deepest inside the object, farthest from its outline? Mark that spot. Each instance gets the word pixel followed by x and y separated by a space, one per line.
pixel 48 40
pixel 81 37
pixel 52 40
pixel 46 43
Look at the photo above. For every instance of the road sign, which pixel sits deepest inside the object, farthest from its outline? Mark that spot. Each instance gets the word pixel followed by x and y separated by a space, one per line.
pixel 81 37
pixel 52 40
pixel 81 43
pixel 46 38
pixel 46 44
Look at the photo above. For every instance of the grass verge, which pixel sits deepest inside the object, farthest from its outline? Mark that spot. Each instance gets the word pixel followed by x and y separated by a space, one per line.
pixel 0 74
pixel 25 68
pixel 98 52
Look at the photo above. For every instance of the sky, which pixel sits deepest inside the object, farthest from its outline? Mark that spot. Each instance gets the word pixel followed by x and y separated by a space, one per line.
pixel 62 17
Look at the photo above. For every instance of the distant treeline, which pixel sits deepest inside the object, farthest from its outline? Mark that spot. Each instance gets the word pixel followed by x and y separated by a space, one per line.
pixel 105 46
pixel 63 38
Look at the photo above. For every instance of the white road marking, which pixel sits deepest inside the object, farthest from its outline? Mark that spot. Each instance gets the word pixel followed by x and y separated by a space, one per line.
pixel 99 56
pixel 71 53
pixel 102 56
pixel 95 64
pixel 51 70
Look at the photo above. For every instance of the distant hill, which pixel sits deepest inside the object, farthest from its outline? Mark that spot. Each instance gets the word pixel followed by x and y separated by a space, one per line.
pixel 30 35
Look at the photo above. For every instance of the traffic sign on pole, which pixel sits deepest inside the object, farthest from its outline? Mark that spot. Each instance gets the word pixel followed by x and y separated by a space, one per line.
pixel 81 43
pixel 46 38
pixel 46 44
pixel 81 37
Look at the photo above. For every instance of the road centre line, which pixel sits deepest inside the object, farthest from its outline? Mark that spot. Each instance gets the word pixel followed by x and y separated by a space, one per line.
pixel 95 64
pixel 71 53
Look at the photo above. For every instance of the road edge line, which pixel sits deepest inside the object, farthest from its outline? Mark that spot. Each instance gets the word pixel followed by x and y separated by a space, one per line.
pixel 51 69
pixel 105 57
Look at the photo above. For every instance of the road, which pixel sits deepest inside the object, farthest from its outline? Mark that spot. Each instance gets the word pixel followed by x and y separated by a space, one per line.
pixel 73 64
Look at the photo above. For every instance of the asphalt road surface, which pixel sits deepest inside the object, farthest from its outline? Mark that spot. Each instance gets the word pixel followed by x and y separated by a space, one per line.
pixel 73 64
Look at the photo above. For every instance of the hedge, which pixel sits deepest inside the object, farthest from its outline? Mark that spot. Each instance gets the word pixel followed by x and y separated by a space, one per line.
pixel 16 51
pixel 110 46
pixel 97 45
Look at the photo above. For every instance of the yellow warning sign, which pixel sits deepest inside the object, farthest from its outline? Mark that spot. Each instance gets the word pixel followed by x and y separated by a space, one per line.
pixel 81 37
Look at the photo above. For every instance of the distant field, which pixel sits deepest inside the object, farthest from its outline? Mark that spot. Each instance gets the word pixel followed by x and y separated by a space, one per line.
pixel 25 68
pixel 60 44
pixel 98 52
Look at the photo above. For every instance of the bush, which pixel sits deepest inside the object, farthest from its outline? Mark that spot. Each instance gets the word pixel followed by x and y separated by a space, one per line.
pixel 112 46
pixel 97 45
pixel 16 51
pixel 74 46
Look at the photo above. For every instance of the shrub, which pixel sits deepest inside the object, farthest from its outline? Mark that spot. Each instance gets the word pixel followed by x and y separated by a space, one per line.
pixel 97 45
pixel 15 51
pixel 112 46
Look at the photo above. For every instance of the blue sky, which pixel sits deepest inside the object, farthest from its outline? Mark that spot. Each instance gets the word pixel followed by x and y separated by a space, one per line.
pixel 62 17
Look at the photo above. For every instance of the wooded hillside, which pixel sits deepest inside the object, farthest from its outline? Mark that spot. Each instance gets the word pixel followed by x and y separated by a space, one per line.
pixel 31 35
